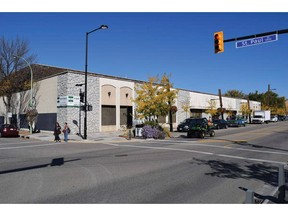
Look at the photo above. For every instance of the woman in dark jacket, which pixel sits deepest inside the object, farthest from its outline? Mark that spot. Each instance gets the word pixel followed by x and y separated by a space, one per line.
pixel 57 131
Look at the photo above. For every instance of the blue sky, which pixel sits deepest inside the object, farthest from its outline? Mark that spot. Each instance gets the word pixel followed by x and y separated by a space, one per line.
pixel 140 45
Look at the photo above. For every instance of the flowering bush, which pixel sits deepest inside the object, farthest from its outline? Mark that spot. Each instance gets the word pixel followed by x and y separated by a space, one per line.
pixel 152 132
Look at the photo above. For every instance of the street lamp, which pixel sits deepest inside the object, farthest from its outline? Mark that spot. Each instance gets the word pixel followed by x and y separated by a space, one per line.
pixel 80 93
pixel 86 66
pixel 31 91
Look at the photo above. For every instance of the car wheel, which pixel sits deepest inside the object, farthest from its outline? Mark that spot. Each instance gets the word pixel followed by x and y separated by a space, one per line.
pixel 189 135
pixel 212 133
pixel 202 134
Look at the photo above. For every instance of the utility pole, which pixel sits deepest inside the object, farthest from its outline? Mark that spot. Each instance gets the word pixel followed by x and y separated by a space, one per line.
pixel 221 104
pixel 249 114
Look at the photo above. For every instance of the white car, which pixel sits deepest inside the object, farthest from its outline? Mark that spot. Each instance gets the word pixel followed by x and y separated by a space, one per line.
pixel 274 118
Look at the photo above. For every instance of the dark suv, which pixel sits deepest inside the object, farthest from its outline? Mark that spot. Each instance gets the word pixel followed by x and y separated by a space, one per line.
pixel 184 125
pixel 220 123
pixel 199 127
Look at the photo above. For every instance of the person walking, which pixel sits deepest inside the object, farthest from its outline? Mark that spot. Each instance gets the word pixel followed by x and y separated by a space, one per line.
pixel 57 132
pixel 66 131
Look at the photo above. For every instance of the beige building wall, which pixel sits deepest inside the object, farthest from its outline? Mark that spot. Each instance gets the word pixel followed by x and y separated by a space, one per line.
pixel 47 96
pixel 108 95
pixel 113 92
pixel 125 96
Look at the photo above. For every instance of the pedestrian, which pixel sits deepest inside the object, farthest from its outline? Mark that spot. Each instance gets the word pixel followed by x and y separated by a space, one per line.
pixel 57 132
pixel 66 131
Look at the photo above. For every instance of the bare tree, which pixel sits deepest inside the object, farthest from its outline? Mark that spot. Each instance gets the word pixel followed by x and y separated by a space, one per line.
pixel 11 84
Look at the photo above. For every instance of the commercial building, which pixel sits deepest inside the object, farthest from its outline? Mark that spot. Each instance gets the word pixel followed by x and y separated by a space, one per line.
pixel 56 92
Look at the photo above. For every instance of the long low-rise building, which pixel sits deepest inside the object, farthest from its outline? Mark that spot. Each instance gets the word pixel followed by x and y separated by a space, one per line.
pixel 56 94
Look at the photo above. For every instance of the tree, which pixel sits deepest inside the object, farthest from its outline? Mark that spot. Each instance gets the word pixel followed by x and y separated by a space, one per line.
pixel 244 109
pixel 11 82
pixel 169 96
pixel 146 99
pixel 185 105
pixel 155 98
pixel 235 94
pixel 269 101
pixel 212 110
pixel 256 96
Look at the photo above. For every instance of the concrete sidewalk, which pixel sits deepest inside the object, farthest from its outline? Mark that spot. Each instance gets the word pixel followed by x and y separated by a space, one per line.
pixel 91 137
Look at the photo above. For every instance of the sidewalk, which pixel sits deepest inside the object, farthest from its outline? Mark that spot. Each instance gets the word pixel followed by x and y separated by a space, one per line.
pixel 91 137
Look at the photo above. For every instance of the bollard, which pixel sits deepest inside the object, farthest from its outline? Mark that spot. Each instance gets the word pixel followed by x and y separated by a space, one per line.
pixel 249 197
pixel 129 134
pixel 281 183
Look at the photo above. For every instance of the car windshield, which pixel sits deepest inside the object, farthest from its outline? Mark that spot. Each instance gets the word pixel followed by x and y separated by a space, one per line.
pixel 198 122
pixel 8 126
pixel 186 121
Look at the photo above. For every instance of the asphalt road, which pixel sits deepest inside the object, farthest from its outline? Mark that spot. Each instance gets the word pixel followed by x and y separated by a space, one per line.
pixel 179 170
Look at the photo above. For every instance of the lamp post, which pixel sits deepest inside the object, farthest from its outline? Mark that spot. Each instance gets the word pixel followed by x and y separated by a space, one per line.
pixel 80 92
pixel 86 67
pixel 31 91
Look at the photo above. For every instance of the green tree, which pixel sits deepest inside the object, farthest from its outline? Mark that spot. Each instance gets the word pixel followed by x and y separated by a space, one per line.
pixel 269 101
pixel 235 94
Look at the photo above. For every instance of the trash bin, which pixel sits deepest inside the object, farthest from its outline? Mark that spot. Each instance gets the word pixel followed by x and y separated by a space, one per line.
pixel 138 130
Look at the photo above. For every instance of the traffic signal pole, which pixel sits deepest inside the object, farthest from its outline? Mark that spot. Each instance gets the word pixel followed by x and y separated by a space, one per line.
pixel 284 31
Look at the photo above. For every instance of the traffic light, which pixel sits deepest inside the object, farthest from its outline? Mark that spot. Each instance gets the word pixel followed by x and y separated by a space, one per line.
pixel 218 42
pixel 81 94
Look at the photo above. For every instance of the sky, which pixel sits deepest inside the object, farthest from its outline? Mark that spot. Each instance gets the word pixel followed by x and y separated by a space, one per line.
pixel 139 45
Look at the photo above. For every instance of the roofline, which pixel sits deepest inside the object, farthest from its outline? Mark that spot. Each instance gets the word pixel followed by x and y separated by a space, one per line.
pixel 68 70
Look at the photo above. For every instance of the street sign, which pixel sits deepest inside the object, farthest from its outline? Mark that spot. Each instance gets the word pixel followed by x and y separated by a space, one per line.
pixel 257 41
pixel 68 101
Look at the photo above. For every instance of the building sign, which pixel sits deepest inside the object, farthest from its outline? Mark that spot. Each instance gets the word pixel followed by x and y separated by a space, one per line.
pixel 68 101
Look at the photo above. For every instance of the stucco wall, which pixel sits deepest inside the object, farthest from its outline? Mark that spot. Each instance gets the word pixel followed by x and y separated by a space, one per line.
pixel 118 89
pixel 47 96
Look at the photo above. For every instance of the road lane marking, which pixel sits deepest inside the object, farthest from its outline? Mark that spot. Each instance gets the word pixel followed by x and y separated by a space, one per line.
pixel 228 146
pixel 199 152
pixel 18 143
pixel 240 149
pixel 31 146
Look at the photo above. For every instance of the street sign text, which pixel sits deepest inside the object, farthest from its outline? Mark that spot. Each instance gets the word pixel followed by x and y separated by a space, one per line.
pixel 257 41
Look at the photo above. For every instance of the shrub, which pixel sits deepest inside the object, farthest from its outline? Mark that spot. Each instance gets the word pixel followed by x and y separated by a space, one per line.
pixel 153 132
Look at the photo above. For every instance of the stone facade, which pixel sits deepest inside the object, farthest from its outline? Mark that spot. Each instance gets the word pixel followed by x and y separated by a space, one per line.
pixel 67 86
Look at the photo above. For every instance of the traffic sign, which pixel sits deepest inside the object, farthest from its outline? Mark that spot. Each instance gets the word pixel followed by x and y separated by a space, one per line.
pixel 257 41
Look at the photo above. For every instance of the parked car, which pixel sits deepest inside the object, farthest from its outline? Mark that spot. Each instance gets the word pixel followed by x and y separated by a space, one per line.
pixel 281 118
pixel 199 127
pixel 220 124
pixel 237 123
pixel 184 125
pixel 274 118
pixel 9 130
